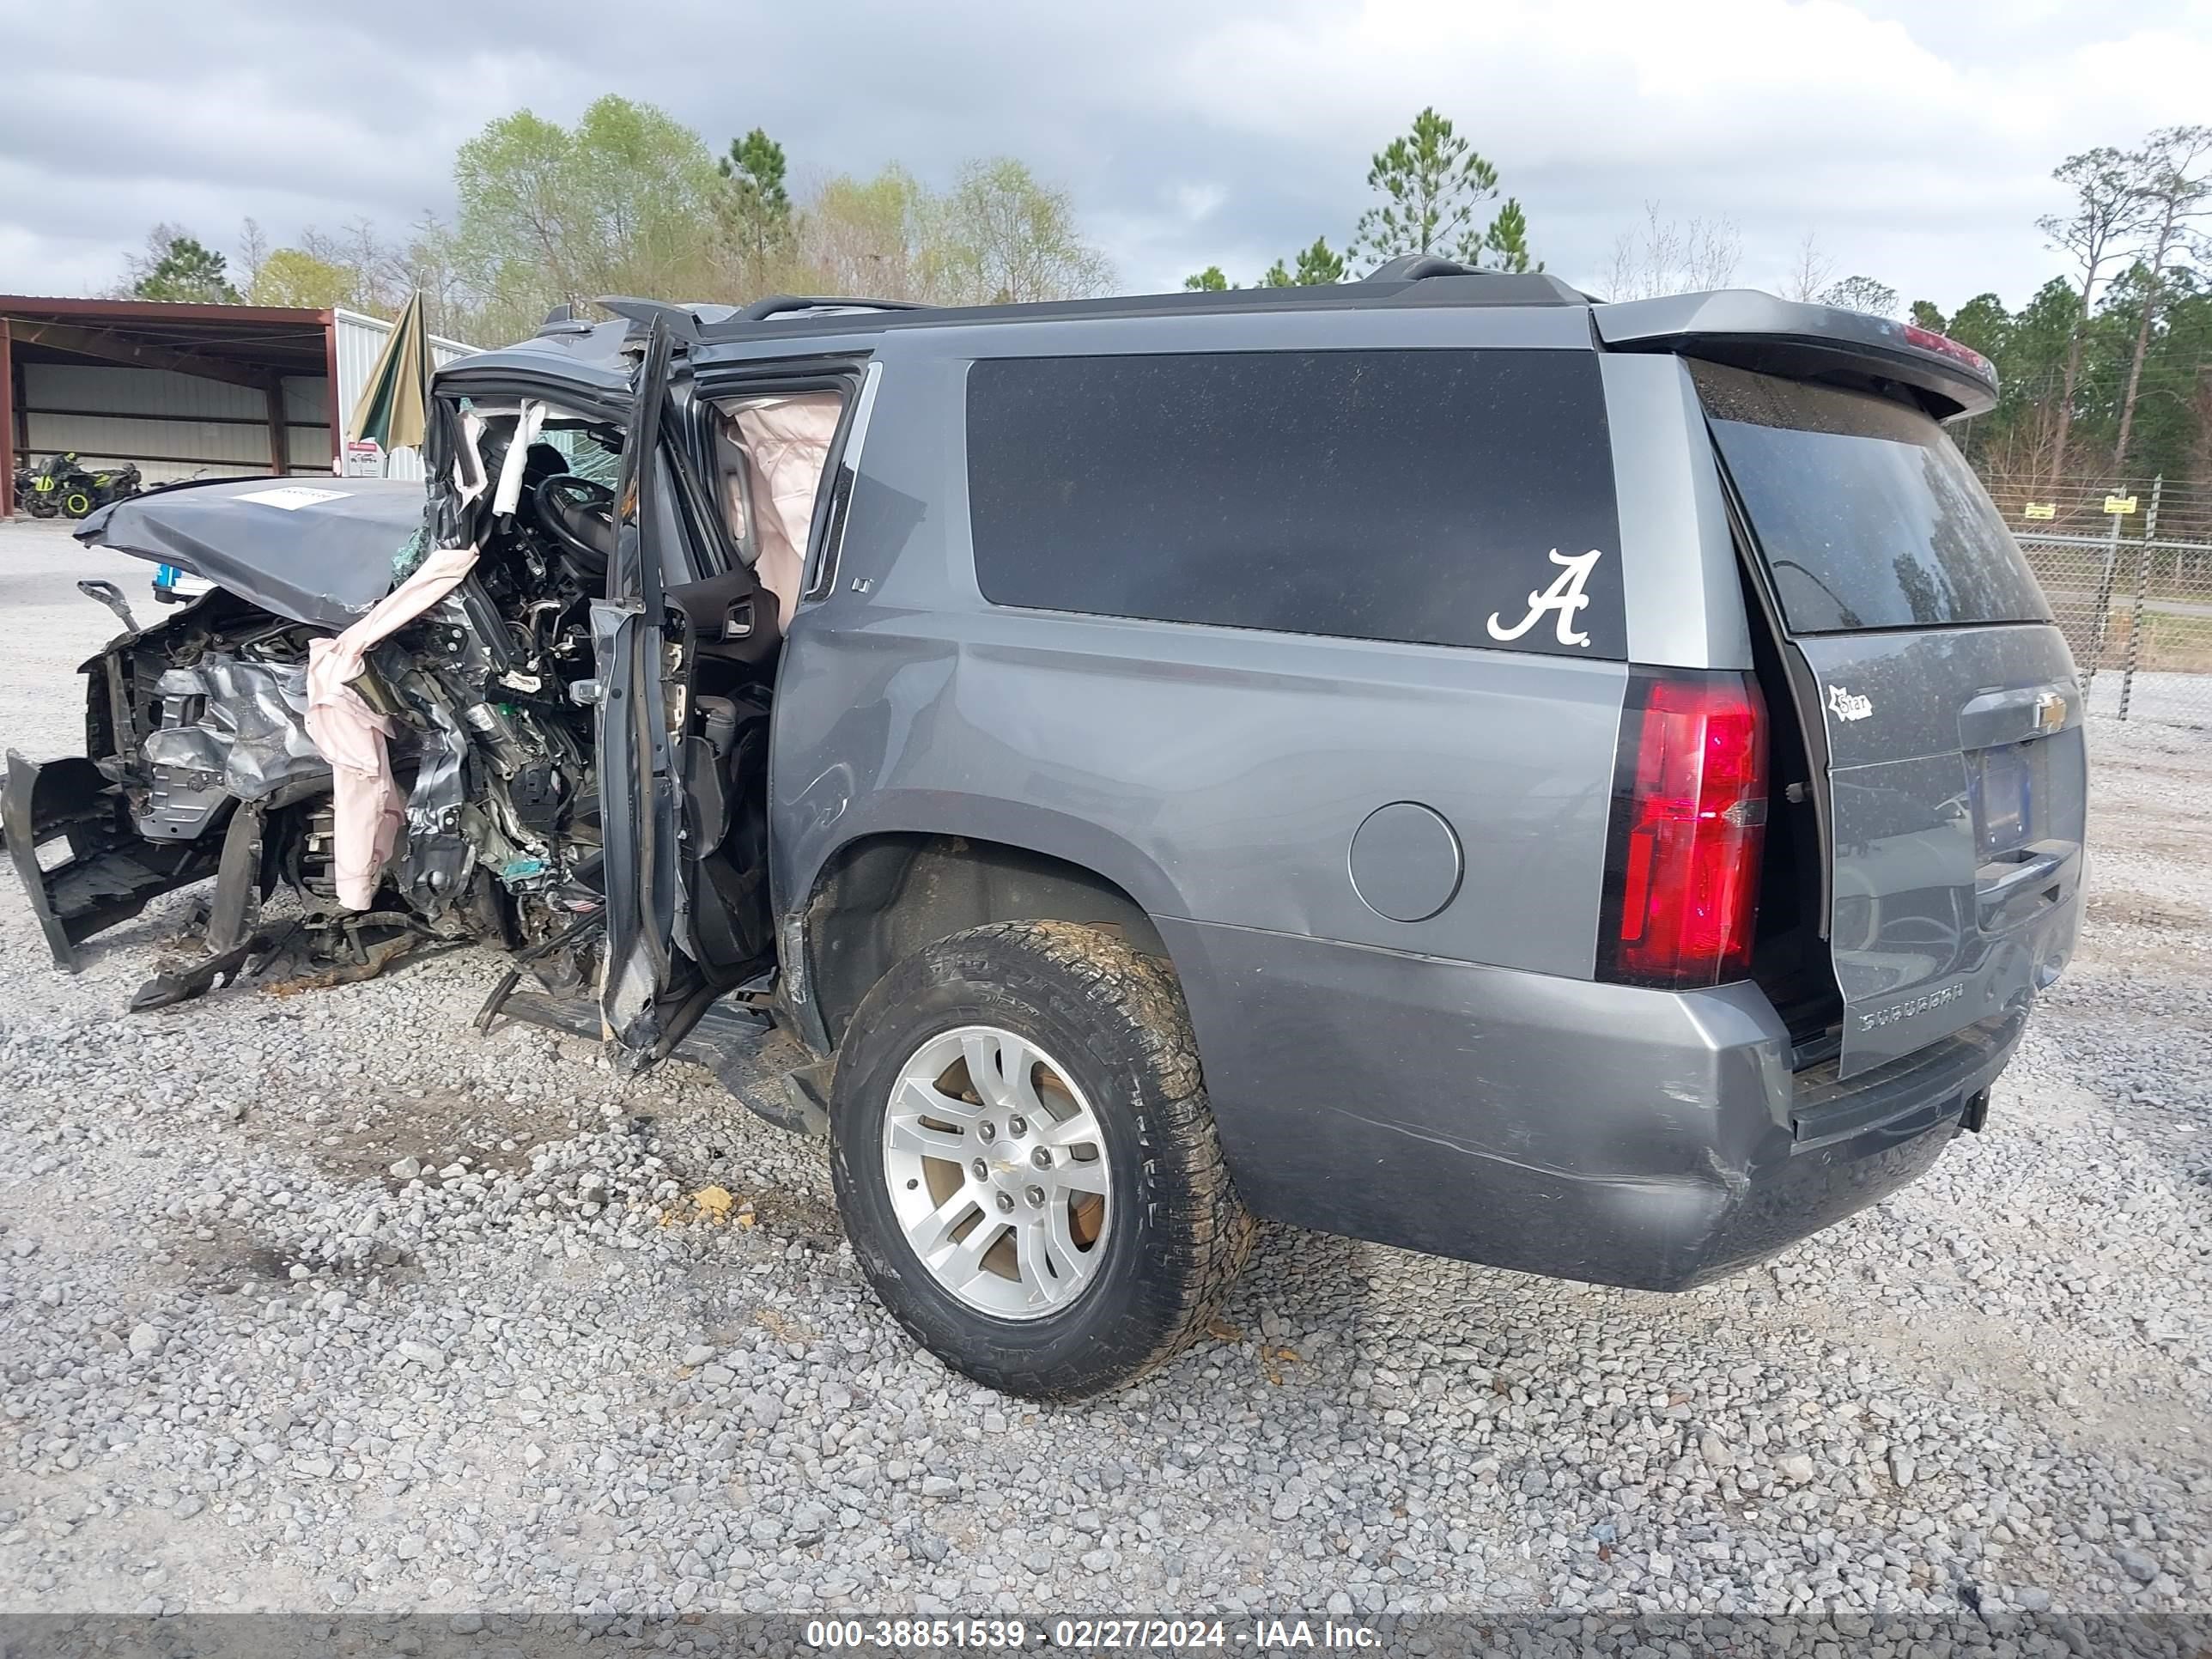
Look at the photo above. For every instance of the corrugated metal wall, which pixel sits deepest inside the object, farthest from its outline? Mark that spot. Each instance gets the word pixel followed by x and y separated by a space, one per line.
pixel 181 426
pixel 308 403
pixel 359 340
pixel 172 425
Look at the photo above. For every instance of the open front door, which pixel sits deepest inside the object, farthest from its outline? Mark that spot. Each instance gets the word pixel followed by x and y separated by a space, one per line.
pixel 638 657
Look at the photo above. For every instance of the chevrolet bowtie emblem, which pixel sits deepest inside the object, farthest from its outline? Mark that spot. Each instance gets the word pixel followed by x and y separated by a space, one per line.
pixel 2049 711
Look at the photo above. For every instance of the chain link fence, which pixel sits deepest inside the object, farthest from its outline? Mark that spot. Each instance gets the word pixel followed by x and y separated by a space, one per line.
pixel 2128 570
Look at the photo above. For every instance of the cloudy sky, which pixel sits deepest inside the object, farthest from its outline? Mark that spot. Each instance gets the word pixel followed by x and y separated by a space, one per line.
pixel 1914 138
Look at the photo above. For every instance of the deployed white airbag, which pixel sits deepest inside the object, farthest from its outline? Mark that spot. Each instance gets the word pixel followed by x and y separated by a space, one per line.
pixel 365 810
pixel 788 439
pixel 366 814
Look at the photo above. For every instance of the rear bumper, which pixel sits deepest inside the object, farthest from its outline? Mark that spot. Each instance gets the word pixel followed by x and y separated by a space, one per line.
pixel 1603 1133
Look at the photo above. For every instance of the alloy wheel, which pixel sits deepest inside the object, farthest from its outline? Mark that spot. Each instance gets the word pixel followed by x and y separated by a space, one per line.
pixel 997 1172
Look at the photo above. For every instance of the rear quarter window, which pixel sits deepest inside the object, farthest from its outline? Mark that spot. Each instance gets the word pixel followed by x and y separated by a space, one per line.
pixel 1406 496
pixel 1863 509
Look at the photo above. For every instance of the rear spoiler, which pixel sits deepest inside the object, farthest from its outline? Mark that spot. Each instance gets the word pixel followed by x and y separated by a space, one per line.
pixel 1750 329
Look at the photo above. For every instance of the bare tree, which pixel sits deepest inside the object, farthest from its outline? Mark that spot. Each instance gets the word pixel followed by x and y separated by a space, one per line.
pixel 2107 210
pixel 374 282
pixel 2011 465
pixel 136 267
pixel 253 253
pixel 2175 189
pixel 1809 271
pixel 862 236
pixel 1668 256
pixel 382 266
pixel 1864 294
pixel 428 263
pixel 1001 236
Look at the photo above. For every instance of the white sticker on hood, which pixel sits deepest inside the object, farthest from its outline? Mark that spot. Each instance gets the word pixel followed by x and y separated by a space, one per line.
pixel 292 497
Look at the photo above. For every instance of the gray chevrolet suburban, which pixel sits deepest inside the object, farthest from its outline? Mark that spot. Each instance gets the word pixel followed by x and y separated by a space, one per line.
pixel 1592 789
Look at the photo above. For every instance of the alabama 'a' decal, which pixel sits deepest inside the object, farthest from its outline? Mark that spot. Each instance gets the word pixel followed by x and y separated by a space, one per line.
pixel 1563 598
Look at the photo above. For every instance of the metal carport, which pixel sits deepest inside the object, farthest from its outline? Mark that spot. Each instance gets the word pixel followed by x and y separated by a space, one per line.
pixel 220 390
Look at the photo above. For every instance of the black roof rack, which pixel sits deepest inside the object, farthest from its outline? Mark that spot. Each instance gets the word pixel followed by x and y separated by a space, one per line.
pixel 780 304
pixel 683 321
pixel 1422 280
pixel 1437 282
pixel 564 320
pixel 691 323
pixel 1419 267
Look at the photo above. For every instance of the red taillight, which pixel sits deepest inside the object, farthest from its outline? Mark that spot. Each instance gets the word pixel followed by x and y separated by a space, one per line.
pixel 1929 340
pixel 1689 812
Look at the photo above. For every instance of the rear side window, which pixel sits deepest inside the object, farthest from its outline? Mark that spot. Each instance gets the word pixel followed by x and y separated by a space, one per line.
pixel 1412 495
pixel 1865 512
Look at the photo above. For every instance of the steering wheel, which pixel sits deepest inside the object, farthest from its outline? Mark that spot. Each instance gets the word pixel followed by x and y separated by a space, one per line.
pixel 578 513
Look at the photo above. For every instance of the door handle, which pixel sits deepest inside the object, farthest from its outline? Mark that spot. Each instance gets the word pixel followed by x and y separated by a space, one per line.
pixel 1997 718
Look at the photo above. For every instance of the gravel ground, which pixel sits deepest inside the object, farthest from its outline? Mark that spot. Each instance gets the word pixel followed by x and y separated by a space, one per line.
pixel 323 1301
pixel 2184 699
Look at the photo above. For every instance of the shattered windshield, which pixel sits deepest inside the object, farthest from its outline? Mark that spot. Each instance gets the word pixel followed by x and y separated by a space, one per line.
pixel 589 453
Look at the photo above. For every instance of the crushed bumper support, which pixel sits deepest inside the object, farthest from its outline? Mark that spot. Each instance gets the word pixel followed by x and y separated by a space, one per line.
pixel 111 874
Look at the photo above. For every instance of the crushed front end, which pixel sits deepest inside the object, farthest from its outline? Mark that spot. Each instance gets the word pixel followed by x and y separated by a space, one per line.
pixel 200 760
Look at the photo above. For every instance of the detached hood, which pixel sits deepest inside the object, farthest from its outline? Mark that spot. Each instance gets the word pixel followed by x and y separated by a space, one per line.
pixel 314 550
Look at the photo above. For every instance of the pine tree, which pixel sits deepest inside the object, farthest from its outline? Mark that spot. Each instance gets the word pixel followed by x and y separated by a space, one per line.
pixel 1506 241
pixel 187 271
pixel 1433 181
pixel 758 206
pixel 1318 265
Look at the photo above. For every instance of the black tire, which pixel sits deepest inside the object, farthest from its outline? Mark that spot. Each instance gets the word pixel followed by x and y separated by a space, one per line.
pixel 77 503
pixel 1115 1020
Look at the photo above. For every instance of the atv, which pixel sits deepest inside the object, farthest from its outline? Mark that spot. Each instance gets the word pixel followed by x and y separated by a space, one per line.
pixel 66 486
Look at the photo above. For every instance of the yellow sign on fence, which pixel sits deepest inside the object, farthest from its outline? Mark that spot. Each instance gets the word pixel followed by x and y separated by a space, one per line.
pixel 2039 510
pixel 2119 503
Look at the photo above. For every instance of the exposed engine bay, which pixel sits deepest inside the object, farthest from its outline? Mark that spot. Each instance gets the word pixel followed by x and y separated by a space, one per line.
pixel 202 758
